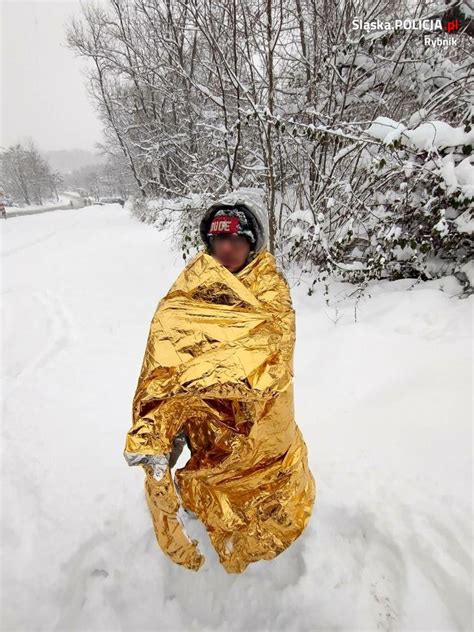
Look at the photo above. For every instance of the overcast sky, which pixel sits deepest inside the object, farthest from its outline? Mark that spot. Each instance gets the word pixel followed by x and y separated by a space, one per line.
pixel 43 93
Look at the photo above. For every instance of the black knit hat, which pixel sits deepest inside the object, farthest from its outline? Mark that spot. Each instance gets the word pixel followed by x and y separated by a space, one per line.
pixel 235 219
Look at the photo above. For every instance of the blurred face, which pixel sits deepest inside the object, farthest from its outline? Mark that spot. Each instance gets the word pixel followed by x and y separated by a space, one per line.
pixel 230 250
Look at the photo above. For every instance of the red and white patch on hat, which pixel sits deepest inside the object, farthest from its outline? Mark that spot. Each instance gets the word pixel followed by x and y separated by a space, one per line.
pixel 224 224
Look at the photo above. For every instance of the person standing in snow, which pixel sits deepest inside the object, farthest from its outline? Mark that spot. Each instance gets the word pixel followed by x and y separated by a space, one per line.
pixel 217 374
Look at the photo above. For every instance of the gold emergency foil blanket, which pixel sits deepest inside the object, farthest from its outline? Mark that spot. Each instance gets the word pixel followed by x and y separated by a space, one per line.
pixel 218 366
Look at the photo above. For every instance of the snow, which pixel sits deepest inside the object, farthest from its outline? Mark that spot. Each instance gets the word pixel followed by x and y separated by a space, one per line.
pixel 426 136
pixel 386 129
pixel 304 215
pixel 458 177
pixel 205 90
pixel 384 405
pixel 394 232
pixel 468 269
pixel 438 134
pixel 417 117
pixel 442 226
pixel 465 221
pixel 297 231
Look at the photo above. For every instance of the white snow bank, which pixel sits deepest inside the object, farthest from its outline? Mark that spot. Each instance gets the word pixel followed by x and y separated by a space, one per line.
pixel 50 204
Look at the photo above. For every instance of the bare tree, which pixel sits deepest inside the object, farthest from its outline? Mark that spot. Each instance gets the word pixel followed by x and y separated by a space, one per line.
pixel 201 97
pixel 26 175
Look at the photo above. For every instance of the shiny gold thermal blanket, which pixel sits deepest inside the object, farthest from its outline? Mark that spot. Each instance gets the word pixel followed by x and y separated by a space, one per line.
pixel 218 367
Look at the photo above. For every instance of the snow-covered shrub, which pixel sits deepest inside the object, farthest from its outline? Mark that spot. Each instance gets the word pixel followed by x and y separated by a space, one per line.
pixel 430 172
pixel 417 217
pixel 139 208
pixel 392 194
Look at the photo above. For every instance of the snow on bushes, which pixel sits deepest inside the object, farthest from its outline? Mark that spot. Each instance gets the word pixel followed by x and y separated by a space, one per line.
pixel 420 222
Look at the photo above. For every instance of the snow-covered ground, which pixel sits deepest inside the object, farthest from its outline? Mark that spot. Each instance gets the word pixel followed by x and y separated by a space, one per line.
pixel 384 405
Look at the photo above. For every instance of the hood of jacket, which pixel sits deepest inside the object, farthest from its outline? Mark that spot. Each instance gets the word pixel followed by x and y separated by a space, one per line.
pixel 253 202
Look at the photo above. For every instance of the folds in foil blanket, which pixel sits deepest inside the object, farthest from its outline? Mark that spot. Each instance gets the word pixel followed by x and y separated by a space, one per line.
pixel 218 366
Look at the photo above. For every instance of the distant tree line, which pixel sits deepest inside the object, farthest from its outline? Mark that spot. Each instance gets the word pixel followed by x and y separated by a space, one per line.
pixel 100 180
pixel 26 177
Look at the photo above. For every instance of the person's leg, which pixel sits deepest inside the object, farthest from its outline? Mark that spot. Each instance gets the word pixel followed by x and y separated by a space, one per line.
pixel 178 444
pixel 188 443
